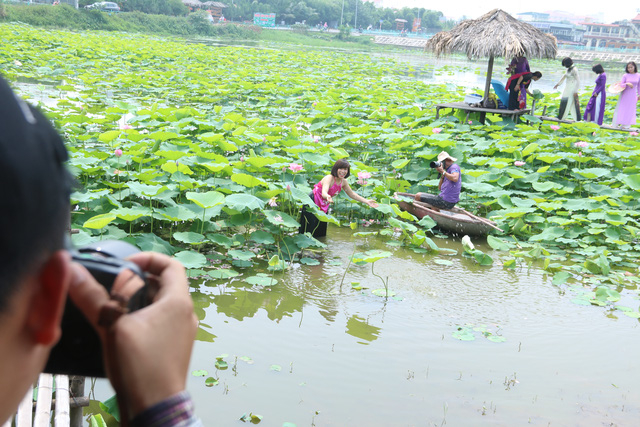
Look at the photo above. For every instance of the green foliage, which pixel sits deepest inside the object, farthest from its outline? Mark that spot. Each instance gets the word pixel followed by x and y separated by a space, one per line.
pixel 207 148
pixel 171 22
pixel 156 7
pixel 344 32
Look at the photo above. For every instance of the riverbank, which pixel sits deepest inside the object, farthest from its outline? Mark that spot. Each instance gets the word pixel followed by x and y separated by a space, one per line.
pixel 193 26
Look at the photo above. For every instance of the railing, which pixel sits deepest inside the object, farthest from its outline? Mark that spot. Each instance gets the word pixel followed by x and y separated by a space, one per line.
pixel 598 49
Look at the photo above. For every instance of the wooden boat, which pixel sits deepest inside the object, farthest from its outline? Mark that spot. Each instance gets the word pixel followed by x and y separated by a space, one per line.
pixel 454 220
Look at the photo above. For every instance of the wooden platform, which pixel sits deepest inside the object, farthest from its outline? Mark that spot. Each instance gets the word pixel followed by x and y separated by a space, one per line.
pixel 66 407
pixel 463 106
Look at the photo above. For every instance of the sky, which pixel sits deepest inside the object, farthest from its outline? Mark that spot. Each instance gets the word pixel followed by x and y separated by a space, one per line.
pixel 618 10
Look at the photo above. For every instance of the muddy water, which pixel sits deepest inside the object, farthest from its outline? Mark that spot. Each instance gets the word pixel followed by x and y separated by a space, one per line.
pixel 350 358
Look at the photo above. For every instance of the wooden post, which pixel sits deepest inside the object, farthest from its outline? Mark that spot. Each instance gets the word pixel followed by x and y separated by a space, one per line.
pixel 76 389
pixel 487 85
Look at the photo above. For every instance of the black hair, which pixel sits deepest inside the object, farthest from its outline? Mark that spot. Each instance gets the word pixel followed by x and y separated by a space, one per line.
pixel 567 62
pixel 341 164
pixel 597 69
pixel 538 74
pixel 36 186
pixel 635 67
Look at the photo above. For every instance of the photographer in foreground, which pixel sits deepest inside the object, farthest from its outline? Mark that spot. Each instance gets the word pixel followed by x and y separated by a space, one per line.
pixel 449 185
pixel 146 352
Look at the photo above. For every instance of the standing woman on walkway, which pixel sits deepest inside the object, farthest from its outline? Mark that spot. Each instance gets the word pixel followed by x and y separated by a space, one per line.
pixel 625 114
pixel 594 112
pixel 569 103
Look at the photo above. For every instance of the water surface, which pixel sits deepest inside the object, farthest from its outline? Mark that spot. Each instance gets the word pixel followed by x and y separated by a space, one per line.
pixel 351 358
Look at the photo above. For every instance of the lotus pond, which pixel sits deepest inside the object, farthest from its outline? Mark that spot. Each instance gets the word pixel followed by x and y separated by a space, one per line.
pixel 207 153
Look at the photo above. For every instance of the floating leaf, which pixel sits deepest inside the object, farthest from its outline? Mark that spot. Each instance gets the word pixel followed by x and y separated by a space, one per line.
pixel 261 279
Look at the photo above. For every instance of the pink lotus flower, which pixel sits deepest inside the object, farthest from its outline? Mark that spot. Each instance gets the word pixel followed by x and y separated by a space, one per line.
pixel 364 175
pixel 125 126
pixel 17 63
pixel 316 138
pixel 242 158
pixel 118 152
pixel 397 121
pixel 288 187
pixel 315 103
pixel 264 139
pixel 582 144
pixel 437 130
pixel 277 218
pixel 633 133
pixel 470 122
pixel 579 153
pixel 116 172
pixel 554 127
pixel 272 202
pixel 519 163
pixel 294 167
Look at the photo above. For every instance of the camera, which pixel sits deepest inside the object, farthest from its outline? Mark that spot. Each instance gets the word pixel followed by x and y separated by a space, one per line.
pixel 79 351
pixel 435 164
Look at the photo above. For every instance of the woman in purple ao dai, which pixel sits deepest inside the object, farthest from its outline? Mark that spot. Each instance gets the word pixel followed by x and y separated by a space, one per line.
pixel 595 107
pixel 625 114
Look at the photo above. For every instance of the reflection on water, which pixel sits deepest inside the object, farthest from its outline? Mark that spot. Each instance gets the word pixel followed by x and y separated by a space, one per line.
pixel 349 357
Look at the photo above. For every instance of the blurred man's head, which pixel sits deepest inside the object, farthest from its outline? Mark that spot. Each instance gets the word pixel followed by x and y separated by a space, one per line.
pixel 34 219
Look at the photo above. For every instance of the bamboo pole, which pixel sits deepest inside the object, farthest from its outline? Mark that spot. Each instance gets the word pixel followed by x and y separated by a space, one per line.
pixel 43 405
pixel 62 401
pixel 483 220
pixel 24 416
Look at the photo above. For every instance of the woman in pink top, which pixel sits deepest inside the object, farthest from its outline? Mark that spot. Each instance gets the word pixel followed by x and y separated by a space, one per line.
pixel 323 193
pixel 625 114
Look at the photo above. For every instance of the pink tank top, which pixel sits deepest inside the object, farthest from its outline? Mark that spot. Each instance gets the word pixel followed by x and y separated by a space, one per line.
pixel 317 195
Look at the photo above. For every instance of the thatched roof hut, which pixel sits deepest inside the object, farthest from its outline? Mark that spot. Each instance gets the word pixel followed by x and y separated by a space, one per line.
pixel 495 33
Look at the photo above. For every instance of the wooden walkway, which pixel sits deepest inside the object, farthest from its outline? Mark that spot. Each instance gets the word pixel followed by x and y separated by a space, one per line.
pixel 546 118
pixel 66 406
pixel 463 106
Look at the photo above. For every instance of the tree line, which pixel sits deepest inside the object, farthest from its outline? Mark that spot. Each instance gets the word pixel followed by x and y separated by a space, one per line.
pixel 354 13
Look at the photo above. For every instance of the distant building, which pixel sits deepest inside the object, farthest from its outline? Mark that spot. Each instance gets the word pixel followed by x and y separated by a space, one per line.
pixel 620 35
pixel 565 33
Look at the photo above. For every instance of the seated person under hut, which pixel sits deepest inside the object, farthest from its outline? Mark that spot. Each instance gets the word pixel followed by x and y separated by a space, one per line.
pixel 449 185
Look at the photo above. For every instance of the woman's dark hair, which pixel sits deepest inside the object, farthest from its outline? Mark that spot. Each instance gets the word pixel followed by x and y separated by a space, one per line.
pixel 567 62
pixel 341 164
pixel 635 67
pixel 538 74
pixel 597 69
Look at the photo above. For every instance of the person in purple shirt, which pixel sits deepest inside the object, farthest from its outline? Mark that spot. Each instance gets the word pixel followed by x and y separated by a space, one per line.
pixel 449 186
pixel 595 107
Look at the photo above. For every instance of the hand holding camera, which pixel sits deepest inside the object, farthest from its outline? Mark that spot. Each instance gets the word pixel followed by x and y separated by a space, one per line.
pixel 129 319
pixel 437 166
pixel 147 351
